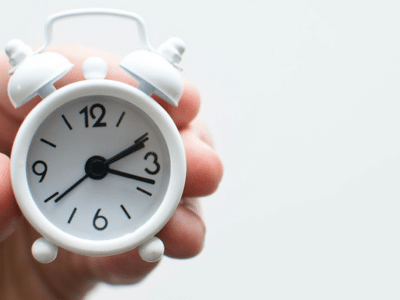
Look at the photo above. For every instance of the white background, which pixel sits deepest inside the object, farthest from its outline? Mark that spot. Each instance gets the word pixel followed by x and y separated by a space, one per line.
pixel 303 99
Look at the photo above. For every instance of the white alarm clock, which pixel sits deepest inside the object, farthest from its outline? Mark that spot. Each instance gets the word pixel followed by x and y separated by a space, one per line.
pixel 98 166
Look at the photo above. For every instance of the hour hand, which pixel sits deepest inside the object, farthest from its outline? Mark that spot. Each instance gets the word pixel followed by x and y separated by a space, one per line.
pixel 139 144
pixel 131 176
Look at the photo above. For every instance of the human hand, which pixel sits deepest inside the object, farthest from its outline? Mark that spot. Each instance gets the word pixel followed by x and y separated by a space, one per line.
pixel 71 275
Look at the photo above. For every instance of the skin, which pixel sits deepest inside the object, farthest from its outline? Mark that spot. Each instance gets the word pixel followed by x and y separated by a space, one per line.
pixel 71 275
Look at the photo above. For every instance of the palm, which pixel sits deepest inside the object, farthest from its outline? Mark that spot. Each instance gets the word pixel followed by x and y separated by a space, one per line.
pixel 183 235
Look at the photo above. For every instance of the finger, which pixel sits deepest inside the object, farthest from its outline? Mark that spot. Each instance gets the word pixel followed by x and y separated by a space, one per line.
pixel 9 127
pixel 198 127
pixel 125 268
pixel 9 211
pixel 186 111
pixel 188 108
pixel 204 167
pixel 184 234
pixel 189 103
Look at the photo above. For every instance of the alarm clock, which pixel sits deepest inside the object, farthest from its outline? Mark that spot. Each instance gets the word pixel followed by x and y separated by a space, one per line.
pixel 98 166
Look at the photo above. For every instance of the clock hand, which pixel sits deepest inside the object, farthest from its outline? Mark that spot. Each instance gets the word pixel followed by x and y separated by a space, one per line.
pixel 71 188
pixel 139 144
pixel 135 177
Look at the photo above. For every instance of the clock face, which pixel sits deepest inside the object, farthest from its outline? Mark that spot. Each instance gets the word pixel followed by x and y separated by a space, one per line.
pixel 98 167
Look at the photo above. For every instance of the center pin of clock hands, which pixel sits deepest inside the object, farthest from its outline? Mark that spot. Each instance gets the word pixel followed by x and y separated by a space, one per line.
pixel 97 167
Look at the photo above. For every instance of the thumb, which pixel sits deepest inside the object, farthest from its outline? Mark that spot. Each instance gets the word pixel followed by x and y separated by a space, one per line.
pixel 9 211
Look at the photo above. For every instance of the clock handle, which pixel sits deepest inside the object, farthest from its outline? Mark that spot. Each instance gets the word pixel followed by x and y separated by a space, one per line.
pixel 48 28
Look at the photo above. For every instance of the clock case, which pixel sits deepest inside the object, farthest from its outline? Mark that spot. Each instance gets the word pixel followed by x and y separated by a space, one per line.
pixel 156 72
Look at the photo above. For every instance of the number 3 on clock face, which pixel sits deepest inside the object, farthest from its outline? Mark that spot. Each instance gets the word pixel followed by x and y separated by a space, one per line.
pixel 98 167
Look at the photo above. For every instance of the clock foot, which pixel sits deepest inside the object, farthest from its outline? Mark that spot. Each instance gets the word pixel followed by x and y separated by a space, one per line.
pixel 152 250
pixel 44 251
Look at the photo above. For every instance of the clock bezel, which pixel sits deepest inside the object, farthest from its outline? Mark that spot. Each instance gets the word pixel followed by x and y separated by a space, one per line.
pixel 20 153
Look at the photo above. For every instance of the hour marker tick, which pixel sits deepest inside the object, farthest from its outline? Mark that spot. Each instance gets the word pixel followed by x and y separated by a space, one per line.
pixel 72 215
pixel 144 191
pixel 125 211
pixel 120 119
pixel 48 143
pixel 51 197
pixel 66 122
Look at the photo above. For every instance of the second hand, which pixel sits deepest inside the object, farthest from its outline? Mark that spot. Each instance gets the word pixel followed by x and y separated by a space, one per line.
pixel 71 188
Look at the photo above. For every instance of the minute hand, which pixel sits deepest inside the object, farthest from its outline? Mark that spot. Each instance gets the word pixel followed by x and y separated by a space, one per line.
pixel 139 144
